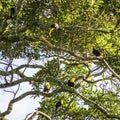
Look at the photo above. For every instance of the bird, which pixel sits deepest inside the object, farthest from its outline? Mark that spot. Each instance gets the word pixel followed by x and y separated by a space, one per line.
pixel 96 52
pixel 71 82
pixel 47 87
pixel 12 12
pixel 54 26
pixel 58 104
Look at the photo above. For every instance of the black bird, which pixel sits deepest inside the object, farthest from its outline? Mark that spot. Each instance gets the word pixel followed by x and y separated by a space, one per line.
pixel 71 82
pixel 55 26
pixel 96 52
pixel 12 12
pixel 58 104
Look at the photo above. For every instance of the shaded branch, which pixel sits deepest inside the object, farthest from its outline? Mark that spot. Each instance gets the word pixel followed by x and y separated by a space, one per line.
pixel 28 66
pixel 96 68
pixel 13 83
pixel 82 28
pixel 17 70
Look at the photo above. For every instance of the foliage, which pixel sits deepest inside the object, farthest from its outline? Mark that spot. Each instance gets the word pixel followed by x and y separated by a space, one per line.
pixel 61 54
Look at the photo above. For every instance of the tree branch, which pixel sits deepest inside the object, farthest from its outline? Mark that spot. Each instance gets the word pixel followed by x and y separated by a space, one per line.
pixel 10 106
pixel 25 79
pixel 111 70
pixel 39 113
pixel 82 28
pixel 16 70
pixel 51 46
pixel 11 103
pixel 66 88
pixel 96 105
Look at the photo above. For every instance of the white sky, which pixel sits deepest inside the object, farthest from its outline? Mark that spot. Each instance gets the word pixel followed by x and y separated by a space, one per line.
pixel 22 107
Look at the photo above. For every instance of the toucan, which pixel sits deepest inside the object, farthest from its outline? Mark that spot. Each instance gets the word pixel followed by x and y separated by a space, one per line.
pixel 96 52
pixel 54 26
pixel 47 87
pixel 12 12
pixel 58 104
pixel 71 82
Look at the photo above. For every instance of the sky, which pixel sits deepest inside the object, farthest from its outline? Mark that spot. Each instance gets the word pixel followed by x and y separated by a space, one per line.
pixel 22 107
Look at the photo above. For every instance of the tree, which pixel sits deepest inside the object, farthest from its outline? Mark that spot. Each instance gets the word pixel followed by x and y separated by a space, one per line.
pixel 62 54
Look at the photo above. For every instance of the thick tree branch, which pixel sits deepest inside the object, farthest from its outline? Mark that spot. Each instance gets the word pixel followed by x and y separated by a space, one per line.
pixel 63 88
pixel 111 70
pixel 98 80
pixel 28 66
pixel 13 83
pixel 82 28
pixel 10 106
pixel 51 46
pixel 39 113
pixel 96 105
pixel 15 70
pixel 11 103
pixel 66 88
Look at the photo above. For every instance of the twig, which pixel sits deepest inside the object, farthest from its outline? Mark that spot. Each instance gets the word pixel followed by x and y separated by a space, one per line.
pixel 27 115
pixel 15 93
